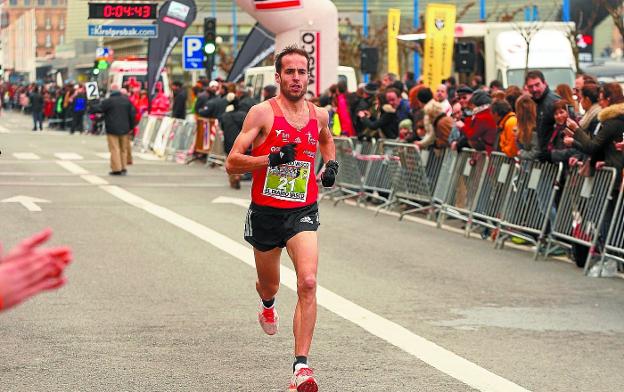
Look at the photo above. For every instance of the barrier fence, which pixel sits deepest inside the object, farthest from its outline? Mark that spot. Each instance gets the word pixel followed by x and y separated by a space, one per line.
pixel 525 199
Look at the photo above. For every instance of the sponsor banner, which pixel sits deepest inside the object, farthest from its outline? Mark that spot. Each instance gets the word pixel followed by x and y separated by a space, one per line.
pixel 311 43
pixel 174 17
pixel 137 31
pixel 276 5
pixel 394 22
pixel 259 44
pixel 440 35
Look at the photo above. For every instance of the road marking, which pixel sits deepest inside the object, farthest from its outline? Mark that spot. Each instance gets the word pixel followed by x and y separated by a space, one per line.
pixel 26 156
pixel 421 348
pixel 93 179
pixel 72 167
pixel 105 155
pixel 147 157
pixel 4 130
pixel 68 156
pixel 232 200
pixel 27 202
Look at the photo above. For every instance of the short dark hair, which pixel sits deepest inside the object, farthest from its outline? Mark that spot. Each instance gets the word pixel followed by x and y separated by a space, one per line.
pixel 560 104
pixel 534 74
pixel 177 83
pixel 424 95
pixel 591 92
pixel 393 90
pixel 500 107
pixel 497 84
pixel 291 49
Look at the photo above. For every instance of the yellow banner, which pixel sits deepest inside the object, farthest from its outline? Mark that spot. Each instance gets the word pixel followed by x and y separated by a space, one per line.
pixel 439 41
pixel 394 22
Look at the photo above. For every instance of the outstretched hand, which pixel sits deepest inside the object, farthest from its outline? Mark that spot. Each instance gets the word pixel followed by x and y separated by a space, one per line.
pixel 27 269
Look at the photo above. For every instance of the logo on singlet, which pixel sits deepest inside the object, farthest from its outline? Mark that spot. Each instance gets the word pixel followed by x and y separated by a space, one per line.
pixel 279 131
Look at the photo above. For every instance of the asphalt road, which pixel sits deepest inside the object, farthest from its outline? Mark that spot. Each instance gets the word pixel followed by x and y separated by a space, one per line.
pixel 161 295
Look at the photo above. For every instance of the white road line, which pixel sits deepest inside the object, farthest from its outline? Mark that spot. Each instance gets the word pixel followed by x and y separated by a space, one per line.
pixel 423 349
pixel 146 156
pixel 72 167
pixel 29 156
pixel 105 155
pixel 68 156
pixel 4 130
pixel 93 179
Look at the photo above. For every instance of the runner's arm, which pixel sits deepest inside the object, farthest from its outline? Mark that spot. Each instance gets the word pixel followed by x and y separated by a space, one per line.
pixel 326 139
pixel 239 163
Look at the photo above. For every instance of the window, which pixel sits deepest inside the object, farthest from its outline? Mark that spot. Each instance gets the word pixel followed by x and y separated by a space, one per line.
pixel 61 39
pixel 26 3
pixel 61 24
pixel 48 41
pixel 13 2
pixel 48 23
pixel 41 2
pixel 54 2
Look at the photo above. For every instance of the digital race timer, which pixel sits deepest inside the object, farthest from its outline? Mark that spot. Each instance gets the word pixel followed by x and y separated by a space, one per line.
pixel 123 10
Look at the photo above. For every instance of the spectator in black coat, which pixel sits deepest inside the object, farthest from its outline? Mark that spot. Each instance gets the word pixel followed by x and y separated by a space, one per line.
pixel 119 115
pixel 36 105
pixel 179 100
pixel 388 121
pixel 545 100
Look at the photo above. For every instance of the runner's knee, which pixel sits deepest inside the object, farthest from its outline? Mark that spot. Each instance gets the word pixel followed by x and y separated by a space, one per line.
pixel 307 284
pixel 267 289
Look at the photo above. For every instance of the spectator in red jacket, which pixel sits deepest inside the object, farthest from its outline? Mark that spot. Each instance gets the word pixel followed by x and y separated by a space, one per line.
pixel 479 131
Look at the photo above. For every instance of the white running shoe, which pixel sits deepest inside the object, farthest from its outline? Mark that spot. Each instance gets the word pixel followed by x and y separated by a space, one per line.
pixel 268 319
pixel 303 381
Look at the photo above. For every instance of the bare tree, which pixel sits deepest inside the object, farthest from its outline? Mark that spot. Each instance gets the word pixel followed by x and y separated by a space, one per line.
pixel 583 26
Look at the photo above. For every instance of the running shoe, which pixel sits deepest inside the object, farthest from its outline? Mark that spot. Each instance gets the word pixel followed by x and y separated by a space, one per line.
pixel 268 319
pixel 303 381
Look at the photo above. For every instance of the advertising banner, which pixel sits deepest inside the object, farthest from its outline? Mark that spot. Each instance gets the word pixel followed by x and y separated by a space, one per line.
pixel 174 17
pixel 394 22
pixel 439 41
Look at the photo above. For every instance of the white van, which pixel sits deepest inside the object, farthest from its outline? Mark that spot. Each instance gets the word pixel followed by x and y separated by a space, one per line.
pixel 259 77
pixel 121 72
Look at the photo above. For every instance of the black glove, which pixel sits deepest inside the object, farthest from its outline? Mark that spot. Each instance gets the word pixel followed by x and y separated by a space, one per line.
pixel 286 154
pixel 329 175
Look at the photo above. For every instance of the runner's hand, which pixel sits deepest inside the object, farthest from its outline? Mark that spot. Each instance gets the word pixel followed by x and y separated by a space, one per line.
pixel 286 154
pixel 329 175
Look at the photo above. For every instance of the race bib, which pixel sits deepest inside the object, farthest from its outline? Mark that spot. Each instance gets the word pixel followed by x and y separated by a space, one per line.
pixel 288 182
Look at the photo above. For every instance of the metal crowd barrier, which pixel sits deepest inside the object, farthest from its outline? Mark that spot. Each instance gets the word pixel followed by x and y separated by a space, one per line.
pixel 180 149
pixel 581 211
pixel 152 125
pixel 465 186
pixel 614 244
pixel 216 153
pixel 411 183
pixel 494 187
pixel 534 184
pixel 363 147
pixel 169 138
pixel 380 169
pixel 349 179
pixel 445 176
pixel 160 139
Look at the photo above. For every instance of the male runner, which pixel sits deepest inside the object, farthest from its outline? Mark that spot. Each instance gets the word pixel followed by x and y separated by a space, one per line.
pixel 283 133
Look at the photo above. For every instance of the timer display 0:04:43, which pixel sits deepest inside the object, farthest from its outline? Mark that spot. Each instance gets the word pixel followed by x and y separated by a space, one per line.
pixel 122 11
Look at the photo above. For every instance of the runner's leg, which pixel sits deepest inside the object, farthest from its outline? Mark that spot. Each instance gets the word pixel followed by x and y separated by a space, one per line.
pixel 303 250
pixel 268 269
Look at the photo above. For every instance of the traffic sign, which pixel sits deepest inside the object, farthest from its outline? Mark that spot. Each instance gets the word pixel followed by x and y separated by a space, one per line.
pixel 102 52
pixel 193 52
pixel 92 91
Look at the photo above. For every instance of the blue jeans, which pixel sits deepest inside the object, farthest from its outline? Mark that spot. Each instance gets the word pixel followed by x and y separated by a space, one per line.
pixel 37 118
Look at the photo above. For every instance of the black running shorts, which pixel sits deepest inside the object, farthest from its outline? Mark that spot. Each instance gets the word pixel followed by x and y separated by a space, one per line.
pixel 267 228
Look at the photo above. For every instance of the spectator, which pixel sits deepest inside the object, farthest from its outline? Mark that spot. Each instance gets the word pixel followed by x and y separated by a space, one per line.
pixel 544 98
pixel 495 86
pixel 119 115
pixel 476 83
pixel 409 80
pixel 506 122
pixel 406 130
pixel 526 136
pixel 78 108
pixel 179 100
pixel 441 96
pixel 464 93
pixel 364 104
pixel 388 80
pixel 511 95
pixel 269 92
pixel 36 105
pixel 566 94
pixel 556 150
pixel 590 102
pixel 387 122
pixel 479 131
pixel 215 106
pixel 437 123
pixel 342 109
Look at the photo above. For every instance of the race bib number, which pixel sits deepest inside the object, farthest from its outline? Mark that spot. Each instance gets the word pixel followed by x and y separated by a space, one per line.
pixel 288 182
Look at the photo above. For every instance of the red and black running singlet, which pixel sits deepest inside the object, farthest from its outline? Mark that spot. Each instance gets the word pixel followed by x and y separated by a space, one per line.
pixel 291 185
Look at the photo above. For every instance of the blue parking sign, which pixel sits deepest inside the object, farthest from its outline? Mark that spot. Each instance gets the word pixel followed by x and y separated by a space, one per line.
pixel 193 52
